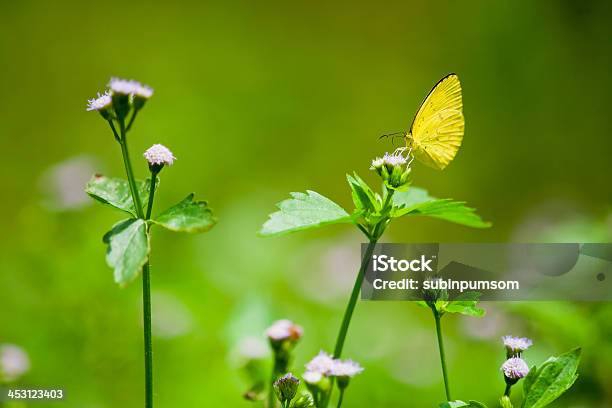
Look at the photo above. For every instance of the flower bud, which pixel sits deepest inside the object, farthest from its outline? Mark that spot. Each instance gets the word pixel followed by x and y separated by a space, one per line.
pixel 286 387
pixel 514 369
pixel 303 401
pixel 505 402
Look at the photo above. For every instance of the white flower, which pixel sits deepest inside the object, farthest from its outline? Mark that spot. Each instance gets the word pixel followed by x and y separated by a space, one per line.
pixel 159 154
pixel 130 87
pixel 100 102
pixel 312 377
pixel 14 362
pixel 377 163
pixel 515 368
pixel 516 345
pixel 322 363
pixel 345 368
pixel 394 159
pixel 144 91
pixel 284 329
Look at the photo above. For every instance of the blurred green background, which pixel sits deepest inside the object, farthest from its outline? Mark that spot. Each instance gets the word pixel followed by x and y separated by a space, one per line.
pixel 257 99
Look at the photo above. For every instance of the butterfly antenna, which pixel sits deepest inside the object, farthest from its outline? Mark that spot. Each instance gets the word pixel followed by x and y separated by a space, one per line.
pixel 391 134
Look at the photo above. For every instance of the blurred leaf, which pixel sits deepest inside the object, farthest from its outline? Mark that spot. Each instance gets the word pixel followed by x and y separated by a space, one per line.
pixel 187 216
pixel 116 192
pixel 416 201
pixel 465 304
pixel 304 211
pixel 363 196
pixel 128 249
pixel 556 375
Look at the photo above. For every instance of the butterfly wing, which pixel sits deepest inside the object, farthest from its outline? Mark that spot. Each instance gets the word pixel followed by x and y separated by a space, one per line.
pixel 437 129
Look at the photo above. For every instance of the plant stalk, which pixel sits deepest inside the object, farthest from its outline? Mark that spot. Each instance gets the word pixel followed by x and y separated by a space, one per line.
pixel 437 317
pixel 507 390
pixel 146 279
pixel 341 398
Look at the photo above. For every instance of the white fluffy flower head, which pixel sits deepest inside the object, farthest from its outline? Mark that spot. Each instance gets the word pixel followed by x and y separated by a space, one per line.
pixel 312 377
pixel 159 154
pixel 322 363
pixel 515 368
pixel 516 345
pixel 346 368
pixel 284 329
pixel 130 87
pixel 102 101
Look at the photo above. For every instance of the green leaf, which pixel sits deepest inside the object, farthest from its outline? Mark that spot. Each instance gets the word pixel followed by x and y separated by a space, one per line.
pixel 187 216
pixel 363 196
pixel 416 201
pixel 128 249
pixel 116 192
pixel 556 375
pixel 304 211
pixel 465 304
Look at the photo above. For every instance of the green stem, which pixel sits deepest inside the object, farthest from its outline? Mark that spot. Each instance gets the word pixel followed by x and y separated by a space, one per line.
pixel 507 390
pixel 146 278
pixel 341 398
pixel 437 317
pixel 151 195
pixel 348 313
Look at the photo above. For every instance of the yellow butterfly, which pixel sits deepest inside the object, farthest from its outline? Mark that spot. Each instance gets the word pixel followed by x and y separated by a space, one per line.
pixel 437 128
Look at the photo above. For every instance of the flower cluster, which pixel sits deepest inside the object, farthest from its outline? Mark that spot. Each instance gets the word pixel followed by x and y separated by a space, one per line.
pixel 158 155
pixel 515 368
pixel 394 168
pixel 121 96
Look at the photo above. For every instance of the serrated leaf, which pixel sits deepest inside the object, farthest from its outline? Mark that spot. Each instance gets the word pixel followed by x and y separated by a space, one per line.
pixel 363 196
pixel 128 249
pixel 546 383
pixel 304 211
pixel 416 201
pixel 116 192
pixel 187 216
pixel 465 304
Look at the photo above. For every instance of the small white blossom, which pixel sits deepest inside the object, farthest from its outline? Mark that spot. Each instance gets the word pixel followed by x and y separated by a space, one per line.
pixel 515 368
pixel 516 345
pixel 377 163
pixel 394 159
pixel 144 91
pixel 284 329
pixel 102 101
pixel 130 87
pixel 345 368
pixel 14 362
pixel 312 377
pixel 159 154
pixel 322 363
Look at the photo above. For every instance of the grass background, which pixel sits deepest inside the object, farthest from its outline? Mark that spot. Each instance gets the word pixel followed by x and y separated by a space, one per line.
pixel 260 98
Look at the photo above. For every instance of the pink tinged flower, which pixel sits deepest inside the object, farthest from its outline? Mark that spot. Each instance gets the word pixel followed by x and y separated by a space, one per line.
pixel 100 102
pixel 346 368
pixel 516 345
pixel 159 154
pixel 322 363
pixel 14 362
pixel 515 368
pixel 312 377
pixel 130 87
pixel 284 329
